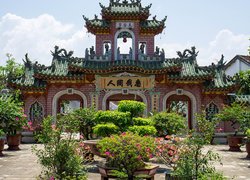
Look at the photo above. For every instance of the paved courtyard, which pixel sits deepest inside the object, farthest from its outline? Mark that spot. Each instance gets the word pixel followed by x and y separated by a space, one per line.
pixel 22 164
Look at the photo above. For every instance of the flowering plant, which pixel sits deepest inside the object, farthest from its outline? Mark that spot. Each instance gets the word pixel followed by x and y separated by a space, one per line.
pixel 127 152
pixel 12 117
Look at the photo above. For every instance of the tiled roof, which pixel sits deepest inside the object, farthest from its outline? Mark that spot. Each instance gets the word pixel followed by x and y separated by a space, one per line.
pixel 58 69
pixel 97 25
pixel 191 71
pixel 28 81
pixel 88 66
pixel 243 58
pixel 242 98
pixel 153 25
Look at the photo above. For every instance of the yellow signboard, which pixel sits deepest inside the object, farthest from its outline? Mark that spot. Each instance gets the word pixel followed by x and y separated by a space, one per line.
pixel 125 83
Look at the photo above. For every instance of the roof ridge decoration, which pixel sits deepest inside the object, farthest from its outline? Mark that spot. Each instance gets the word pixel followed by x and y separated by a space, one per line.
pixel 61 53
pixel 187 53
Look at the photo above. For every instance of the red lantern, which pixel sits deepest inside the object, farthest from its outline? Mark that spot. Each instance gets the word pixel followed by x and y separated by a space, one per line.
pixel 124 38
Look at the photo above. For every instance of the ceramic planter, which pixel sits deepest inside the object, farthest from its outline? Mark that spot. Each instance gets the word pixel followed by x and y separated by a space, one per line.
pixel 248 148
pixel 148 172
pixel 1 146
pixel 234 143
pixel 13 142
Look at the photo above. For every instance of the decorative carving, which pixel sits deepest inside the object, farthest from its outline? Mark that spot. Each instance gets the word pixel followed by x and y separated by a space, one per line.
pixel 188 53
pixel 157 50
pixel 142 48
pixel 61 52
pixel 27 62
pixel 92 52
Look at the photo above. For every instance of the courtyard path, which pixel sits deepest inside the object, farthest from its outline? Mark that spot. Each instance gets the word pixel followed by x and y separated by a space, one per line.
pixel 22 165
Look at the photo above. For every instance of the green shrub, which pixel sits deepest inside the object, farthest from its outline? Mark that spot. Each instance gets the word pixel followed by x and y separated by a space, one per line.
pixel 120 119
pixel 168 123
pixel 127 151
pixel 86 118
pixel 142 121
pixel 143 130
pixel 134 107
pixel 61 156
pixel 105 130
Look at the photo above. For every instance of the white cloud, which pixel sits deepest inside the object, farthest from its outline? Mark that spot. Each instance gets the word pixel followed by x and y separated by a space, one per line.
pixel 37 36
pixel 225 42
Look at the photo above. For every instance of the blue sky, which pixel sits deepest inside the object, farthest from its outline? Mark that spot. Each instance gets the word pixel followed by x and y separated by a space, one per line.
pixel 215 27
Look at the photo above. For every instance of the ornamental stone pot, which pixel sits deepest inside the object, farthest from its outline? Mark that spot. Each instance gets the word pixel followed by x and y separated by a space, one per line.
pixel 1 146
pixel 13 142
pixel 235 142
pixel 248 148
pixel 93 147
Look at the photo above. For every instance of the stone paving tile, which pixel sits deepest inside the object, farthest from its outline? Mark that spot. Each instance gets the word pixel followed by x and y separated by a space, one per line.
pixel 22 165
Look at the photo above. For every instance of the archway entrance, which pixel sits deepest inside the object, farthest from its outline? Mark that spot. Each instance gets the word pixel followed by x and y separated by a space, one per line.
pixel 181 104
pixel 68 103
pixel 113 101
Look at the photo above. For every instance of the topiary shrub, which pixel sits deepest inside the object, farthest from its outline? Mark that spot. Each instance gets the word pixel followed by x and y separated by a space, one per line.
pixel 142 121
pixel 134 107
pixel 168 123
pixel 120 119
pixel 105 130
pixel 86 118
pixel 143 130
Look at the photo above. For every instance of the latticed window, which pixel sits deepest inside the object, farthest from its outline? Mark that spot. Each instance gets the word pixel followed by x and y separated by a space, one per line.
pixel 36 112
pixel 211 110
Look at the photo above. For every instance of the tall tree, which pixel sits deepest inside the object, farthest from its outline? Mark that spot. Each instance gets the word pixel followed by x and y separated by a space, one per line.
pixel 12 69
pixel 243 78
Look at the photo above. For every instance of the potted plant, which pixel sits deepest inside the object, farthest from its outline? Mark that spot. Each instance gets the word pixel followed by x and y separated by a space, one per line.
pixel 236 115
pixel 13 119
pixel 168 123
pixel 248 142
pixel 126 155
pixel 2 140
pixel 187 156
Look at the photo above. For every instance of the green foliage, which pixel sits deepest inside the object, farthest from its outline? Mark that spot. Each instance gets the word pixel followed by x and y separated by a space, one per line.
pixel 10 70
pixel 143 130
pixel 86 118
pixel 128 151
pixel 2 133
pixel 12 117
pixel 168 123
pixel 248 133
pixel 236 114
pixel 134 107
pixel 120 119
pixel 243 78
pixel 105 130
pixel 193 162
pixel 205 128
pixel 142 121
pixel 61 156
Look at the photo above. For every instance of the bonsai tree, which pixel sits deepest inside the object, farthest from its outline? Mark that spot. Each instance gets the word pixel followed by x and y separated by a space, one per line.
pixel 111 122
pixel 127 153
pixel 134 107
pixel 168 123
pixel 237 114
pixel 125 119
pixel 86 118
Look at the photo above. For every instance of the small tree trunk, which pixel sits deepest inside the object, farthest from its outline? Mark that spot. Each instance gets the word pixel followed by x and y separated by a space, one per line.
pixel 130 177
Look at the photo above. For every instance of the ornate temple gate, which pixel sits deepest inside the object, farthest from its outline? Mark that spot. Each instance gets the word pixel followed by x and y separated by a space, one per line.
pixel 123 86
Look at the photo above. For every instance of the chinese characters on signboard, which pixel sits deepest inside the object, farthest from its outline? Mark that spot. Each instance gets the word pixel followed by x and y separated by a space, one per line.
pixel 126 83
